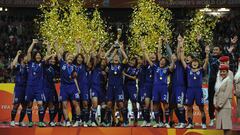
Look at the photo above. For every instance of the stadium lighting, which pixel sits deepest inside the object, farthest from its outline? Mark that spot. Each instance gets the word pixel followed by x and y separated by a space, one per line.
pixel 1 9
pixel 223 10
pixel 6 9
pixel 206 10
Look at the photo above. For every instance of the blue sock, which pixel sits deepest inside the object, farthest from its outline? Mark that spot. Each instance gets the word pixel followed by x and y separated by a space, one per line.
pixel 181 115
pixel 41 113
pixel 124 112
pixel 103 112
pixel 51 114
pixel 60 114
pixel 146 115
pixel 135 112
pixel 177 114
pixel 161 115
pixel 189 120
pixel 156 115
pixel 85 114
pixel 22 115
pixel 167 113
pixel 29 114
pixel 93 114
pixel 109 115
pixel 13 114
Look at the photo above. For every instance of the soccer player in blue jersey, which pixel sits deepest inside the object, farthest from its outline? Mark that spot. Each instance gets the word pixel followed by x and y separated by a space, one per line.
pixel 49 86
pixel 19 65
pixel 147 90
pixel 179 87
pixel 130 87
pixel 98 86
pixel 115 86
pixel 160 85
pixel 35 84
pixel 69 88
pixel 194 87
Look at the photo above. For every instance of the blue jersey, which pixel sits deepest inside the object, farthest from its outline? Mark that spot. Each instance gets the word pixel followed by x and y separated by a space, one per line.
pixel 149 74
pixel 115 74
pixel 35 74
pixel 97 76
pixel 160 75
pixel 81 73
pixel 179 75
pixel 49 75
pixel 141 75
pixel 21 75
pixel 132 71
pixel 194 78
pixel 66 72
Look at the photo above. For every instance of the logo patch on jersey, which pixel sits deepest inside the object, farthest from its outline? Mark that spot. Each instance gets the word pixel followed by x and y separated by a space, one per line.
pixel 64 67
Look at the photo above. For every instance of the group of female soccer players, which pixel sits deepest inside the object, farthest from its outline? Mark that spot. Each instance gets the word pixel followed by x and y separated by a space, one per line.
pixel 109 79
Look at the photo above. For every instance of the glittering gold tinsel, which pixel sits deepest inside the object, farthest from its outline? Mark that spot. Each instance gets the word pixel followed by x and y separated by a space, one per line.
pixel 69 22
pixel 201 24
pixel 149 22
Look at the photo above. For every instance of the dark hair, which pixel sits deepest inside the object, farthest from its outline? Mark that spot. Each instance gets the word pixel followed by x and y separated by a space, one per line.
pixel 79 54
pixel 64 54
pixel 34 55
pixel 166 59
pixel 55 57
pixel 135 59
pixel 220 48
pixel 20 58
pixel 195 60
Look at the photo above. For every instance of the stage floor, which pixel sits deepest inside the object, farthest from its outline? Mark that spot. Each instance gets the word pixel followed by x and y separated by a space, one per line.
pixel 109 131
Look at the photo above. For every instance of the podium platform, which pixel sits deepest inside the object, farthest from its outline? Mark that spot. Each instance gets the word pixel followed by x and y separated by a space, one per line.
pixel 109 131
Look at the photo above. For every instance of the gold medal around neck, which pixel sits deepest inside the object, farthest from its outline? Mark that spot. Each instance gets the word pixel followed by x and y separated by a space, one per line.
pixel 195 78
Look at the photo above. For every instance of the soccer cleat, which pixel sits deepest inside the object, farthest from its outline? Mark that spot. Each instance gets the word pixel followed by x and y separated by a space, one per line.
pixel 135 124
pixel 161 124
pixel 76 124
pixel 12 124
pixel 30 124
pixel 180 125
pixel 148 124
pixel 85 124
pixel 190 126
pixel 212 123
pixel 167 125
pixel 156 125
pixel 67 124
pixel 52 124
pixel 204 126
pixel 125 124
pixel 22 124
pixel 41 124
pixel 144 124
pixel 93 124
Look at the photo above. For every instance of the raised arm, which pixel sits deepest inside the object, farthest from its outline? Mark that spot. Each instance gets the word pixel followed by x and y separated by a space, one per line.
pixel 123 51
pixel 182 53
pixel 173 60
pixel 59 52
pixel 129 76
pixel 15 61
pixel 179 46
pixel 29 52
pixel 207 51
pixel 145 54
pixel 160 41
